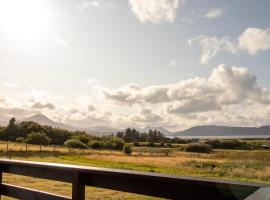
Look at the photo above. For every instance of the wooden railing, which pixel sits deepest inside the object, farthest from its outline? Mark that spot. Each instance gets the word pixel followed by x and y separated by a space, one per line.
pixel 152 184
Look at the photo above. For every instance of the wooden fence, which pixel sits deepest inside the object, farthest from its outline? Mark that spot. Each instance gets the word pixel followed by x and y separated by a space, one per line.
pixel 152 184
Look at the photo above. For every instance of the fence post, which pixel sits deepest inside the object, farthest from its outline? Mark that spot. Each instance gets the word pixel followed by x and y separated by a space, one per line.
pixel 78 189
pixel 1 174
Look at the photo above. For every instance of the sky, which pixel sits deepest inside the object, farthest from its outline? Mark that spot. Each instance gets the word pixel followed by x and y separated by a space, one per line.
pixel 136 63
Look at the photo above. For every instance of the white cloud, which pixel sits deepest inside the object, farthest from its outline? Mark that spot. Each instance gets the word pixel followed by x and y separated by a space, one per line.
pixel 172 64
pixel 155 11
pixel 211 46
pixel 254 40
pixel 92 81
pixel 225 86
pixel 251 41
pixel 40 106
pixel 214 13
pixel 95 4
pixel 229 96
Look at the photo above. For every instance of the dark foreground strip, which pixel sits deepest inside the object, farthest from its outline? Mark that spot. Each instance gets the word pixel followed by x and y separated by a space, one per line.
pixel 152 184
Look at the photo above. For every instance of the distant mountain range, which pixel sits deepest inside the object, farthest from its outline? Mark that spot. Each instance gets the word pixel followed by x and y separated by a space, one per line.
pixel 44 120
pixel 224 131
pixel 196 131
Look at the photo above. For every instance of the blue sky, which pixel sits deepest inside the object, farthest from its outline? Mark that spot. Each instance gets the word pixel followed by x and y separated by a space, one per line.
pixel 168 63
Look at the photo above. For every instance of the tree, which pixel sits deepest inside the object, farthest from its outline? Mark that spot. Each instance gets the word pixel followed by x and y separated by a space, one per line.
pixel 11 131
pixel 95 144
pixel 38 138
pixel 131 135
pixel 73 143
pixel 127 149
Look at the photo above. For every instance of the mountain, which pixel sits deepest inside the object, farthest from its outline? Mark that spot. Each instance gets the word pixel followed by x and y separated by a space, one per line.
pixel 102 130
pixel 213 130
pixel 44 120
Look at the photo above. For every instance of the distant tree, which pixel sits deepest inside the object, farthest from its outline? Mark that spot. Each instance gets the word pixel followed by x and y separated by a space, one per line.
pixel 11 131
pixel 73 143
pixel 38 138
pixel 198 148
pixel 95 144
pixel 120 134
pixel 131 135
pixel 82 137
pixel 113 143
pixel 127 149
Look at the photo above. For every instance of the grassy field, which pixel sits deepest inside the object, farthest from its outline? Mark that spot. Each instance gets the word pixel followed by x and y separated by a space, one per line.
pixel 244 165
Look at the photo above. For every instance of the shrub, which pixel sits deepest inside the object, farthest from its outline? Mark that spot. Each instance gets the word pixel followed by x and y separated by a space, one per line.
pixel 38 138
pixel 83 138
pixel 127 149
pixel 95 144
pixel 72 143
pixel 136 144
pixel 228 144
pixel 198 148
pixel 20 140
pixel 150 144
pixel 113 143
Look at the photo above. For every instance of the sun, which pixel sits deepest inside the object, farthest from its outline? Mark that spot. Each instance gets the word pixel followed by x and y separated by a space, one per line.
pixel 24 20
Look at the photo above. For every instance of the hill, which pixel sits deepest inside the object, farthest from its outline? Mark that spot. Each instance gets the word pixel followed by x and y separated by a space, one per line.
pixel 213 130
pixel 44 120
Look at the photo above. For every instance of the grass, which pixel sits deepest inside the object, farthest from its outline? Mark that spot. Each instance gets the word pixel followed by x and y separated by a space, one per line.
pixel 244 165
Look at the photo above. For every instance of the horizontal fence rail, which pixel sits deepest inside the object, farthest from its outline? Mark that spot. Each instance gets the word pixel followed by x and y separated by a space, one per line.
pixel 151 184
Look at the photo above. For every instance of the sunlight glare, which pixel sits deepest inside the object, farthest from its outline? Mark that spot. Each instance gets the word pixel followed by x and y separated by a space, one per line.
pixel 24 20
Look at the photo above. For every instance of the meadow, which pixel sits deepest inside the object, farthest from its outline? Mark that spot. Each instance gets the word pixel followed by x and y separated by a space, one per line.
pixel 240 165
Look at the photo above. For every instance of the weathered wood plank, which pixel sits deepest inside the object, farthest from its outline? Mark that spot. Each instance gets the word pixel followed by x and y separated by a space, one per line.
pixel 28 194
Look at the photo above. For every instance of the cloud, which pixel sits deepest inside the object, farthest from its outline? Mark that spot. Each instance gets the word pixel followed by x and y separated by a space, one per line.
pixel 214 13
pixel 211 46
pixel 92 81
pixel 225 86
pixel 89 120
pixel 95 4
pixel 92 108
pixel 39 105
pixel 251 41
pixel 155 11
pixel 194 105
pixel 172 64
pixel 230 95
pixel 147 116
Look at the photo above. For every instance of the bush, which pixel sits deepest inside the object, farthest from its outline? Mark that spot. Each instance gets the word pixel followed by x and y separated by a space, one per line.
pixel 136 144
pixel 113 143
pixel 228 144
pixel 127 149
pixel 95 144
pixel 38 138
pixel 20 140
pixel 83 138
pixel 72 143
pixel 198 148
pixel 150 144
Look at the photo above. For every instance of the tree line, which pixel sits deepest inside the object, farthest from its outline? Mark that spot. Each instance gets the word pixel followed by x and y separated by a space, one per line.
pixel 33 133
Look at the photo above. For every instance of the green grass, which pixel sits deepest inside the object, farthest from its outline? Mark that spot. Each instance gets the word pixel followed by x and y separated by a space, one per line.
pixel 244 165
